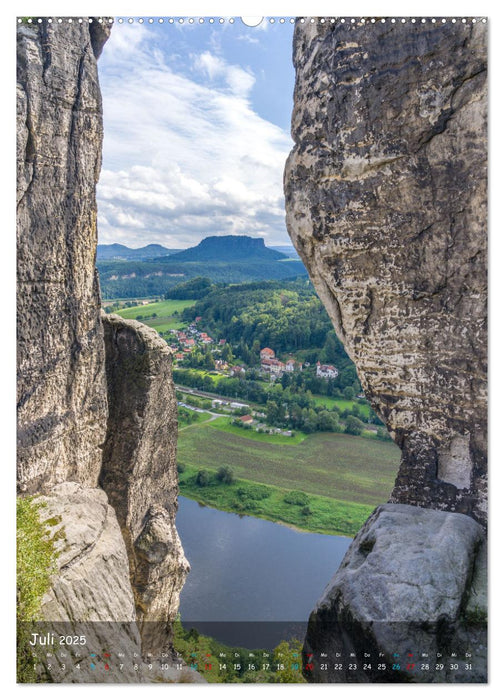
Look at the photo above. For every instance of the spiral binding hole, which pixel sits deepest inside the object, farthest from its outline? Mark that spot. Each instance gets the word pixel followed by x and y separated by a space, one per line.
pixel 363 21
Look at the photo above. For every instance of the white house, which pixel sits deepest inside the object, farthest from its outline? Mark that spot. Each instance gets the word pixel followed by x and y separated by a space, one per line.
pixel 326 371
pixel 273 366
pixel 291 365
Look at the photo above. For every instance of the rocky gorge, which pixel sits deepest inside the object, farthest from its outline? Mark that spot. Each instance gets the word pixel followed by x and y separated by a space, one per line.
pixel 386 205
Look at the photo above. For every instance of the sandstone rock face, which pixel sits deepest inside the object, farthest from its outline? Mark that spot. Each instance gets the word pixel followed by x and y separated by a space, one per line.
pixel 93 581
pixel 91 597
pixel 407 583
pixel 122 562
pixel 386 205
pixel 61 382
pixel 139 470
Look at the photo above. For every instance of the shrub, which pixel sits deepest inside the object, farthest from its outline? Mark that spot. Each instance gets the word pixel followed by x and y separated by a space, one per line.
pixel 306 510
pixel 382 434
pixel 181 468
pixel 296 498
pixel 254 493
pixel 225 475
pixel 203 478
pixel 354 426
pixel 348 393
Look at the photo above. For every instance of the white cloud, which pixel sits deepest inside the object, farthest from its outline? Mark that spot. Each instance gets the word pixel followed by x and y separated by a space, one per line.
pixel 185 155
pixel 239 81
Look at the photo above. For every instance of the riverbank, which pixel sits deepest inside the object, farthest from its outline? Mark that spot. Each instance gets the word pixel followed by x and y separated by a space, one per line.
pixel 304 511
pixel 220 663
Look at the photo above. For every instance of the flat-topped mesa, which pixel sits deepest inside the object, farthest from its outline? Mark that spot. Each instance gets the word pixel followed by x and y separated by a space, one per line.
pixel 386 204
pixel 62 403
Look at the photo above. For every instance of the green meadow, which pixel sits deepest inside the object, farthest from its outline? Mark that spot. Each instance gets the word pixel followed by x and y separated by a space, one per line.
pixel 164 311
pixel 343 477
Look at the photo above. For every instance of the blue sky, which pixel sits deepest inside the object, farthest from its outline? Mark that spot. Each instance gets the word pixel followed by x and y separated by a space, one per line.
pixel 197 130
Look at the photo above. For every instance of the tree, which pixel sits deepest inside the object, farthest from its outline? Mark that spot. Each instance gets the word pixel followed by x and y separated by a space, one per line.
pixel 227 353
pixel 275 413
pixel 203 477
pixel 208 360
pixel 225 475
pixel 330 350
pixel 287 662
pixel 296 498
pixel 348 393
pixel 286 380
pixel 325 421
pixel 354 426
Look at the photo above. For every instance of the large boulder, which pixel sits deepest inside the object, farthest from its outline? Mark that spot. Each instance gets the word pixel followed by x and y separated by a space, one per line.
pixel 411 583
pixel 88 615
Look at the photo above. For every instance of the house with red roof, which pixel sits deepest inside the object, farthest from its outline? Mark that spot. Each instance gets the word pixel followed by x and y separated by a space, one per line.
pixel 267 354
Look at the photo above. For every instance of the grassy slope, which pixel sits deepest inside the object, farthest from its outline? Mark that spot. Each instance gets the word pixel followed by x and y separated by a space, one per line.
pixel 327 515
pixel 344 476
pixel 338 466
pixel 342 404
pixel 225 425
pixel 164 310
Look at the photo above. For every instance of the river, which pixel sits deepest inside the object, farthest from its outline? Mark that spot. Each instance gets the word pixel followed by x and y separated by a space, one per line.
pixel 252 581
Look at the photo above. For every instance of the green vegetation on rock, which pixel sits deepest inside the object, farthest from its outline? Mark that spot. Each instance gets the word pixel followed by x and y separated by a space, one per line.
pixel 36 563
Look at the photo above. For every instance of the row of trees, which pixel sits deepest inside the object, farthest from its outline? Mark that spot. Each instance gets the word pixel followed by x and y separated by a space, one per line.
pixel 290 408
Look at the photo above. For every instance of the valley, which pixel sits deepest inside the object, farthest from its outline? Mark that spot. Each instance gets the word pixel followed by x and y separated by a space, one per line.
pixel 274 422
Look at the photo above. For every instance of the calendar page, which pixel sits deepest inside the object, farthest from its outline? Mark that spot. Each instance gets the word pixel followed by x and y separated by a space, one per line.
pixel 252 345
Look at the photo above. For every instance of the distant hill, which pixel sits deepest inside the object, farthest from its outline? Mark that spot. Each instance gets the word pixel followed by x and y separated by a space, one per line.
pixel 228 249
pixel 287 250
pixel 117 251
pixel 229 259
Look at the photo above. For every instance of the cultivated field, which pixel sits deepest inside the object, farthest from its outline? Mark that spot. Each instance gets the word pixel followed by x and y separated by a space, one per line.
pixel 338 466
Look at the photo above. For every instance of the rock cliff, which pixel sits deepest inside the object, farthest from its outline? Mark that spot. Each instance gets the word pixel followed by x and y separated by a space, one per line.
pixel 139 465
pixel 386 205
pixel 62 405
pixel 97 411
pixel 412 582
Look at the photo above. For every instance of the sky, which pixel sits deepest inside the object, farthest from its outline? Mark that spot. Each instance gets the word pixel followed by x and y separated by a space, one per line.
pixel 196 132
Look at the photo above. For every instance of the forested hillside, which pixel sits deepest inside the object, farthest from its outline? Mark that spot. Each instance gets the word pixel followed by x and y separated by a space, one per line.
pixel 285 316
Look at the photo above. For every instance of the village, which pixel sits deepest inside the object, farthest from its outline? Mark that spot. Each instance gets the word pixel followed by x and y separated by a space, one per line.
pixel 185 343
pixel 192 338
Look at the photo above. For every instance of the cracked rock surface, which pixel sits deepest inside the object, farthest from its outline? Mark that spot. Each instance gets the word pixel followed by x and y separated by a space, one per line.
pixel 385 194
pixel 139 470
pixel 91 550
pixel 80 416
pixel 386 204
pixel 62 403
pixel 91 597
